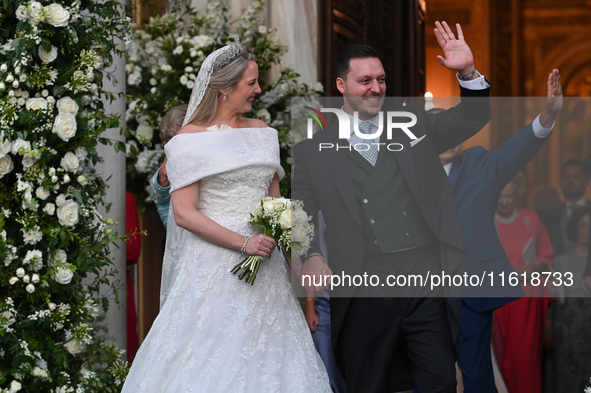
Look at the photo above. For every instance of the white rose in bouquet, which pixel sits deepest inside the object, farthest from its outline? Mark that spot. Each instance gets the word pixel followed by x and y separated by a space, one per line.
pixel 6 166
pixel 30 288
pixel 65 126
pixel 61 200
pixel 63 275
pixel 285 219
pixel 67 105
pixel 56 15
pixel 269 206
pixel 42 193
pixel 60 256
pixel 15 386
pixel 47 57
pixel 20 272
pixel 70 162
pixel 35 104
pixel 8 315
pixel 298 234
pixel 67 214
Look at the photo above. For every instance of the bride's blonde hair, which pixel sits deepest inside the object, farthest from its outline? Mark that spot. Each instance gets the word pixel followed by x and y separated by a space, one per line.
pixel 226 78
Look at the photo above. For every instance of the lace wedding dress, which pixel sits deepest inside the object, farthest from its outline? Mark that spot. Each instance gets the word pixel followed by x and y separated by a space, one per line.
pixel 215 333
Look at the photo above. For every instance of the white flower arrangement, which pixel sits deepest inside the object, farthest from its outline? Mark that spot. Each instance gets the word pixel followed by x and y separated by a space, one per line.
pixel 163 60
pixel 53 56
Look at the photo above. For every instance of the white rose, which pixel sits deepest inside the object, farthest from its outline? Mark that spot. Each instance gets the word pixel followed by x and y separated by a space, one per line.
pixel 49 209
pixel 44 93
pixel 70 162
pixel 51 306
pixel 68 214
pixel 298 234
pixel 26 279
pixel 20 272
pixel 63 275
pixel 2 86
pixel 83 180
pixel 145 131
pixel 15 385
pixel 13 280
pixel 16 145
pixel 263 29
pixel 22 77
pixel 60 256
pixel 66 179
pixel 285 219
pixel 190 84
pixel 30 288
pixel 57 15
pixel 178 50
pixel 35 279
pixel 65 126
pixel 35 104
pixel 42 193
pixel 8 315
pixel 270 206
pixel 4 67
pixel 60 200
pixel 75 346
pixel 264 115
pixel 15 84
pixel 47 57
pixel 6 166
pixel 67 105
pixel 20 101
pixel 21 12
pixel 5 146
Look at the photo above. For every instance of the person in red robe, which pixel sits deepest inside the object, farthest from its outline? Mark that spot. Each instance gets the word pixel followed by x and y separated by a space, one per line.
pixel 518 326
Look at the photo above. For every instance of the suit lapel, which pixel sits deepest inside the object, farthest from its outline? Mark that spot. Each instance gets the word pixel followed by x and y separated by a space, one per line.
pixel 338 165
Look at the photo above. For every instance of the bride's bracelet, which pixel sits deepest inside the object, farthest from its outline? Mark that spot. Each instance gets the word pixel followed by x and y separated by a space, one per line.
pixel 316 255
pixel 246 238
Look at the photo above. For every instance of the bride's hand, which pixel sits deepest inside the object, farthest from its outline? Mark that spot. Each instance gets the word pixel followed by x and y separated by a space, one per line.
pixel 261 245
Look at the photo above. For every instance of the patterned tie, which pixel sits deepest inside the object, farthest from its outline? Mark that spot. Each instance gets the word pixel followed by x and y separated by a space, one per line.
pixel 371 155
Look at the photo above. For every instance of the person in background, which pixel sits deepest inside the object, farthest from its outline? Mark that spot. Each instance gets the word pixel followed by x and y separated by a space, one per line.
pixel 478 176
pixel 571 324
pixel 159 185
pixel 317 312
pixel 518 326
pixel 545 199
pixel 132 248
pixel 573 182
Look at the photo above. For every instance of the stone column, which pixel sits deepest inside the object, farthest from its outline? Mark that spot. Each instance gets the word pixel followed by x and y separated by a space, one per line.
pixel 113 166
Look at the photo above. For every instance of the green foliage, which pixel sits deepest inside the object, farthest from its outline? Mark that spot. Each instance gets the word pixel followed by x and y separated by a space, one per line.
pixel 53 57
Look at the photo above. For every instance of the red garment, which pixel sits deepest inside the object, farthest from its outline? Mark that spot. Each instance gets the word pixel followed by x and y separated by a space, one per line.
pixel 517 335
pixel 132 247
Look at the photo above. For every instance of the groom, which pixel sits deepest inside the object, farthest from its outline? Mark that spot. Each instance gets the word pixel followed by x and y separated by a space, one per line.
pixel 391 213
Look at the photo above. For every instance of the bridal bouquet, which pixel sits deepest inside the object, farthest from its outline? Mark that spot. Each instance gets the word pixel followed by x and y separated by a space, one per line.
pixel 285 221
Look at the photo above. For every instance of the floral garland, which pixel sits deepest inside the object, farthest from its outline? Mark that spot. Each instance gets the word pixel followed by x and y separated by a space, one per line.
pixel 163 61
pixel 53 56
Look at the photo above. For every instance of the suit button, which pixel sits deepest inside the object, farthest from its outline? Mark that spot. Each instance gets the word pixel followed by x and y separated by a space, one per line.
pixel 375 242
pixel 404 213
pixel 407 235
pixel 372 221
pixel 365 201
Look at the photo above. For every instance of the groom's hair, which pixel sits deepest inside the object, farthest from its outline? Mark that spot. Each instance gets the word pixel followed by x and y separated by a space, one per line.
pixel 341 67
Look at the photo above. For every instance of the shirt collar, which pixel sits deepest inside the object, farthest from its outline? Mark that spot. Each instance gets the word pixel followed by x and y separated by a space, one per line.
pixel 374 120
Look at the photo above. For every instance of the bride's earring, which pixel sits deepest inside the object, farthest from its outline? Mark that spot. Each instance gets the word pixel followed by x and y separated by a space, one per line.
pixel 225 96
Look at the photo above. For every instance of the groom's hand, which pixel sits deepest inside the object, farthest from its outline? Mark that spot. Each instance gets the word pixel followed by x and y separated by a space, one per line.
pixel 457 54
pixel 315 271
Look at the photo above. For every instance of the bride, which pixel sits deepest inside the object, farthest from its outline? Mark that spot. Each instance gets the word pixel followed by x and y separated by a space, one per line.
pixel 215 333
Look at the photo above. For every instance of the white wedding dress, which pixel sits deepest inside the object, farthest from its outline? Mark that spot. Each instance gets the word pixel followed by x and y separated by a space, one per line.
pixel 215 333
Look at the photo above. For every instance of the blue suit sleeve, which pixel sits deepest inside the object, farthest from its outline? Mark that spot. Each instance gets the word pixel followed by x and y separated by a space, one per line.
pixel 161 197
pixel 513 155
